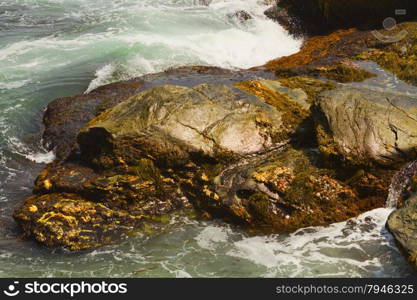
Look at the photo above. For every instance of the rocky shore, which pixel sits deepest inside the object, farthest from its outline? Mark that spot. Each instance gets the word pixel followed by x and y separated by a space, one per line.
pixel 283 146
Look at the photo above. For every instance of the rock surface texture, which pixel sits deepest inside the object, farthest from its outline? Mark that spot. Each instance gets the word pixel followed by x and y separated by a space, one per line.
pixel 291 144
pixel 368 126
pixel 402 223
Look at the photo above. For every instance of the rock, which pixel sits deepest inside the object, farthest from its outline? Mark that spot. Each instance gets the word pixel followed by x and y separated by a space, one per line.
pixel 141 157
pixel 396 52
pixel 272 12
pixel 241 15
pixel 68 220
pixel 331 56
pixel 402 223
pixel 280 191
pixel 209 120
pixel 78 208
pixel 323 16
pixel 281 16
pixel 237 151
pixel 292 97
pixel 125 174
pixel 66 116
pixel 366 126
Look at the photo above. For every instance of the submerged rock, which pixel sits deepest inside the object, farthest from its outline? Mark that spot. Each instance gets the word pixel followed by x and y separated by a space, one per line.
pixel 366 127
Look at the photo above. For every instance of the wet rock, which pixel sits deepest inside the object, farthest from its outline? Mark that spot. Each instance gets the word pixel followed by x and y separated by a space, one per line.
pixel 71 221
pixel 172 122
pixel 240 150
pixel 64 117
pixel 78 208
pixel 288 22
pixel 323 16
pixel 395 50
pixel 141 157
pixel 241 15
pixel 135 157
pixel 402 223
pixel 330 57
pixel 280 191
pixel 272 12
pixel 366 127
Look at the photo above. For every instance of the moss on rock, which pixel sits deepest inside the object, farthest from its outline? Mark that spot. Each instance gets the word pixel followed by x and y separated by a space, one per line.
pixel 71 221
pixel 367 127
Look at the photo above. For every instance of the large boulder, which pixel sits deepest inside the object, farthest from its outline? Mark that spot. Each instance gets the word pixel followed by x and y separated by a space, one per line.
pixel 65 117
pixel 366 126
pixel 135 158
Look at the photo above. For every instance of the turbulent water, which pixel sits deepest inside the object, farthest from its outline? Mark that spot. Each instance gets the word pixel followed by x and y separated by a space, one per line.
pixel 54 48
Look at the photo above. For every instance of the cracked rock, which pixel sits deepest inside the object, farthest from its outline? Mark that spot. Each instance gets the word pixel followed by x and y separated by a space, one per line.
pixel 209 119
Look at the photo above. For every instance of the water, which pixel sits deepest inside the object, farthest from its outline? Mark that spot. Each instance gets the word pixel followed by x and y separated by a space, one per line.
pixel 55 48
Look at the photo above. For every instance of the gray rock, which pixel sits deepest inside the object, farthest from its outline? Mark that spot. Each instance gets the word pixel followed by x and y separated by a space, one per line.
pixel 368 126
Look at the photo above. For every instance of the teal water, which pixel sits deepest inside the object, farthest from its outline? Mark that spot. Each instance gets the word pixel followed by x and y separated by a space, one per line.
pixel 55 48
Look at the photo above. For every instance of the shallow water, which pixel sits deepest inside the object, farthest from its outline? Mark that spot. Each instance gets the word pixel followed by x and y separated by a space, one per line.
pixel 54 48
